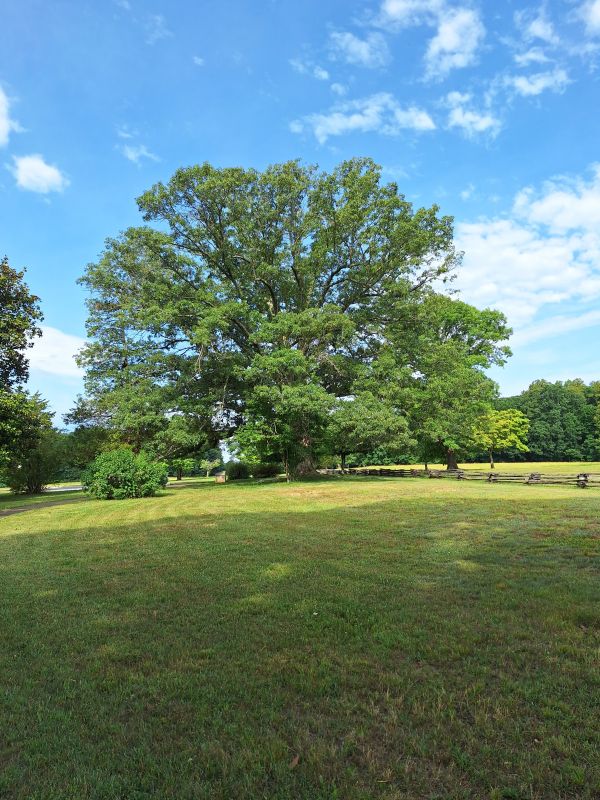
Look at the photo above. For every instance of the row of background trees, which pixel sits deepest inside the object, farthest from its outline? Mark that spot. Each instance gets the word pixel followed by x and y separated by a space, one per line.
pixel 305 318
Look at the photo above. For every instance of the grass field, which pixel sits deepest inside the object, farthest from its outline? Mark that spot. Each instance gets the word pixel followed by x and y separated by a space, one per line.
pixel 344 639
pixel 9 500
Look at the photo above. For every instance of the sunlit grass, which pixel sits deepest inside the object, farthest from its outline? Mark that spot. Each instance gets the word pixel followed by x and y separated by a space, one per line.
pixel 350 638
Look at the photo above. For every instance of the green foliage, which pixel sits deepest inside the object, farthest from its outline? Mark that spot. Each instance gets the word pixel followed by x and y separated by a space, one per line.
pixel 118 474
pixel 237 470
pixel 19 317
pixel 40 464
pixel 86 442
pixel 364 423
pixel 181 467
pixel 207 465
pixel 563 417
pixel 502 430
pixel 23 420
pixel 261 302
pixel 266 470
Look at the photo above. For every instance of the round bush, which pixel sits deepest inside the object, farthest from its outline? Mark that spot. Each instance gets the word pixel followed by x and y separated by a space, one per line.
pixel 237 470
pixel 121 473
pixel 266 470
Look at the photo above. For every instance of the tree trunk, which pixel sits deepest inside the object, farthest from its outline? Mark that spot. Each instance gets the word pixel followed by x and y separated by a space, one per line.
pixel 286 467
pixel 343 461
pixel 451 462
pixel 426 467
pixel 179 473
pixel 306 468
pixel 492 465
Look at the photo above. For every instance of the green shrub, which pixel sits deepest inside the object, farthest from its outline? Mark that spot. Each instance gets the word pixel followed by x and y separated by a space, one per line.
pixel 121 473
pixel 266 470
pixel 31 472
pixel 237 470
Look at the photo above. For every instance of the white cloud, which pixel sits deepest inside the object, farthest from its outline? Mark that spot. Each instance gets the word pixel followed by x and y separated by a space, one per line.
pixel 555 325
pixel 546 252
pixel 467 119
pixel 198 61
pixel 35 175
pixel 467 192
pixel 564 204
pixel 536 26
pixel 54 352
pixel 532 56
pixel 459 35
pixel 370 52
pixel 589 12
pixel 531 85
pixel 137 153
pixel 156 29
pixel 380 113
pixel 339 89
pixel 307 68
pixel 401 13
pixel 124 132
pixel 7 125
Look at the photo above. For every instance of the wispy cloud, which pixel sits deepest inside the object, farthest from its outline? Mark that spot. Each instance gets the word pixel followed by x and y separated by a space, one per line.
pixel 536 25
pixel 380 113
pixel 371 52
pixel 34 174
pixel 589 12
pixel 198 61
pixel 459 36
pixel 404 13
pixel 136 153
pixel 156 29
pixel 459 31
pixel 54 352
pixel 339 88
pixel 308 68
pixel 531 85
pixel 534 55
pixel 470 121
pixel 545 252
pixel 7 124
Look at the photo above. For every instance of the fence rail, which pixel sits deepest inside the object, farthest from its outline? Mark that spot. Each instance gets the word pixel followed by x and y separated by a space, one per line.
pixel 583 479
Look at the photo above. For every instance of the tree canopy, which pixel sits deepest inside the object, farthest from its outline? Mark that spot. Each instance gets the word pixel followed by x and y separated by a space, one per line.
pixel 266 303
pixel 19 318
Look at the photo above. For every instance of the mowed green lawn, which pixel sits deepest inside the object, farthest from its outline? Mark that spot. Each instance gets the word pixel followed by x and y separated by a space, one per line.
pixel 350 638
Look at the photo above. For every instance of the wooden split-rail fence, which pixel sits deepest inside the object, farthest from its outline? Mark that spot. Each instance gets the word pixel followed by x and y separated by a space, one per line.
pixel 582 479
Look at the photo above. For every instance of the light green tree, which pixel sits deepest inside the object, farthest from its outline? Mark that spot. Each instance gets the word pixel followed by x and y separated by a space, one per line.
pixel 502 430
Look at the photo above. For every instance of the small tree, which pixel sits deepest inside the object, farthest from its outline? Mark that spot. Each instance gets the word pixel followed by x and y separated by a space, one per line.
pixel 502 430
pixel 39 465
pixel 181 467
pixel 122 473
pixel 208 464
pixel 363 424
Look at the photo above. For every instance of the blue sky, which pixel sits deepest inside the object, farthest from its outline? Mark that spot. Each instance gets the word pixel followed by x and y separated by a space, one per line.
pixel 489 109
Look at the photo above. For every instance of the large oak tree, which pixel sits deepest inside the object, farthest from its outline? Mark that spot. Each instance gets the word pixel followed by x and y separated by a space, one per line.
pixel 255 301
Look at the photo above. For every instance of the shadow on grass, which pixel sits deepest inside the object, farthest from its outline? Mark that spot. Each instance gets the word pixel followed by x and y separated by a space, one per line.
pixel 390 649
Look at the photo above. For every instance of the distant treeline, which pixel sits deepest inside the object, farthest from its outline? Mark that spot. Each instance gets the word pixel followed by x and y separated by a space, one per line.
pixel 564 421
